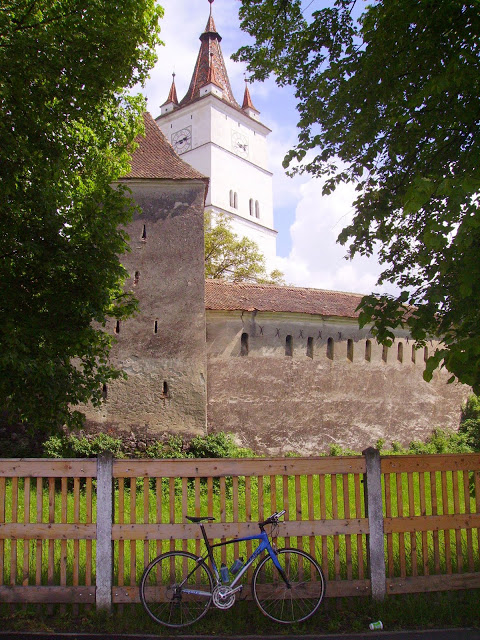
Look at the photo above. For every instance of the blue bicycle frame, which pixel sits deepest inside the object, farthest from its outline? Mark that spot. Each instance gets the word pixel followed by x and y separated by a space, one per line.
pixel 263 546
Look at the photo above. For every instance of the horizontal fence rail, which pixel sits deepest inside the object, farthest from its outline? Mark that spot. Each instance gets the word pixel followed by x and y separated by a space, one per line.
pixel 82 531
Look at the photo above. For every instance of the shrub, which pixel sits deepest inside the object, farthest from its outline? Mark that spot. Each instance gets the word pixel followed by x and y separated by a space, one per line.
pixel 71 446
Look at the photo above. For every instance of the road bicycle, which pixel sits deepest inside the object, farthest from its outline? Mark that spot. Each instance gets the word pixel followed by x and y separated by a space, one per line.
pixel 178 587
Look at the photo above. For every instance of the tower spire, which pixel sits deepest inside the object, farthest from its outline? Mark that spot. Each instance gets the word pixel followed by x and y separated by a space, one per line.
pixel 210 65
pixel 172 101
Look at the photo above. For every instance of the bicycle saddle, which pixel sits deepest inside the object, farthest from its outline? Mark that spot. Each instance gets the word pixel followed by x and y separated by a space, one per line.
pixel 194 519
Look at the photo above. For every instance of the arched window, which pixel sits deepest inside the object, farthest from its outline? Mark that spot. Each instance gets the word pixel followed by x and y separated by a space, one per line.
pixel 257 209
pixel 310 347
pixel 231 199
pixel 289 346
pixel 400 352
pixel 368 350
pixel 235 200
pixel 350 349
pixel 250 204
pixel 244 344
pixel 330 348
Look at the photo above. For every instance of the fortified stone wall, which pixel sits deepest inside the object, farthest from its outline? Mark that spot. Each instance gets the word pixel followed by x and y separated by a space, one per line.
pixel 299 382
pixel 162 349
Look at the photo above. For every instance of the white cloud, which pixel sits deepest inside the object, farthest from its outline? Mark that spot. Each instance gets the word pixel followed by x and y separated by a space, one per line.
pixel 316 260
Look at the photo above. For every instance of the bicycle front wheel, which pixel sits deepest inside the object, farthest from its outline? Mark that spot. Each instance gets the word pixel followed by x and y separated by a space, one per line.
pixel 176 589
pixel 297 601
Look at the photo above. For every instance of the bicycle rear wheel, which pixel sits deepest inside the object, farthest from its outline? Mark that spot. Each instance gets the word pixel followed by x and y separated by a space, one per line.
pixel 176 589
pixel 281 603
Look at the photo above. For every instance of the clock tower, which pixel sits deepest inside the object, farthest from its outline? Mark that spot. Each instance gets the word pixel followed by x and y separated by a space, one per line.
pixel 225 141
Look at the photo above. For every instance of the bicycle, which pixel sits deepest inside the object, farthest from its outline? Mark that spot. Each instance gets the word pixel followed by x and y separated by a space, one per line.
pixel 178 587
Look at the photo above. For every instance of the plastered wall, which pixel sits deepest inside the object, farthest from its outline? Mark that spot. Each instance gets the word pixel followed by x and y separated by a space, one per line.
pixel 329 383
pixel 162 349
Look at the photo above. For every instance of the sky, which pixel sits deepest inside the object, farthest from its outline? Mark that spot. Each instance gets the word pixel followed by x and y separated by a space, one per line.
pixel 307 222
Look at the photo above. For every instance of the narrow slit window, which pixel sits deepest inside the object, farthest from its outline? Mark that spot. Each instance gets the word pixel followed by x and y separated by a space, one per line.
pixel 231 198
pixel 250 204
pixel 257 209
pixel 330 348
pixel 400 352
pixel 368 350
pixel 310 347
pixel 385 353
pixel 235 200
pixel 165 389
pixel 144 232
pixel 425 354
pixel 414 353
pixel 350 349
pixel 136 278
pixel 155 326
pixel 289 346
pixel 244 344
pixel 104 391
pixel 117 327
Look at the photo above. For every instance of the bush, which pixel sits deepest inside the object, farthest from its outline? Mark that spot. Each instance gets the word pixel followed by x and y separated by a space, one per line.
pixel 470 422
pixel 71 446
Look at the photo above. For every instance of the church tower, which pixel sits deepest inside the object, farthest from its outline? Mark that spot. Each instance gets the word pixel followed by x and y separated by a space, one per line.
pixel 225 141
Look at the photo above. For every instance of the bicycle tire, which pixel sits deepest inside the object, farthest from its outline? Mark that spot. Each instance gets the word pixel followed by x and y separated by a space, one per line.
pixel 288 605
pixel 162 597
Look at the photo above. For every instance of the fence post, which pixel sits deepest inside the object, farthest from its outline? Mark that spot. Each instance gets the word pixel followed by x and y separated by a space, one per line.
pixel 104 562
pixel 374 513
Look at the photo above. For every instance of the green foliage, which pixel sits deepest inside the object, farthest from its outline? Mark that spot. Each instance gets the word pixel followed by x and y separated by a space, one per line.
pixel 229 257
pixel 74 447
pixel 214 445
pixel 67 127
pixel 217 445
pixel 470 422
pixel 388 101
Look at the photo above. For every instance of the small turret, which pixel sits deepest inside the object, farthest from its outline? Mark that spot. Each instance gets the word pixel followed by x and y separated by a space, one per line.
pixel 247 105
pixel 172 101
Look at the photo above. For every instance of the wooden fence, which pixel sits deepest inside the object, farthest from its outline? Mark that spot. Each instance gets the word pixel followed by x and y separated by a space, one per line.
pixel 81 531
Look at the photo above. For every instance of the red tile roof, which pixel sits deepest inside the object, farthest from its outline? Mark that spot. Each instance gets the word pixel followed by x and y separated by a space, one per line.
pixel 154 158
pixel 210 55
pixel 228 296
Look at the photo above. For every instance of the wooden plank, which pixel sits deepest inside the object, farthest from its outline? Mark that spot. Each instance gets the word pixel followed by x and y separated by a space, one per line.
pixel 298 508
pixel 423 511
pixel 179 531
pixel 446 533
pixel 39 543
pixel 146 518
pixel 286 506
pixel 198 512
pixel 50 595
pixel 43 468
pixel 88 520
pixel 47 531
pixel 432 523
pixel 339 589
pixel 431 462
pixel 2 520
pixel 477 506
pixel 51 520
pixel 436 541
pixel 133 520
pixel 413 534
pixel 171 504
pixel 248 518
pixel 121 520
pixel 273 500
pixel 401 535
pixel 63 543
pixel 76 543
pixel 223 508
pixel 336 541
pixel 423 584
pixel 216 467
pixel 323 516
pixel 311 513
pixel 13 545
pixel 358 515
pixel 456 510
pixel 466 500
pixel 236 548
pixel 347 516
pixel 26 543
pixel 388 513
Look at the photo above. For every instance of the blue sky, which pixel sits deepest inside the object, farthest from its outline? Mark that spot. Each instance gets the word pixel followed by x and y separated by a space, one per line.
pixel 307 223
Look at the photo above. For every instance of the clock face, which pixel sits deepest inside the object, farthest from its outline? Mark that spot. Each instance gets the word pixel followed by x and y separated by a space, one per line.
pixel 182 140
pixel 240 144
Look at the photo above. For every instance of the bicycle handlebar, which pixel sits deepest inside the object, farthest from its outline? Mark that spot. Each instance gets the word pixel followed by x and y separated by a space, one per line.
pixel 273 519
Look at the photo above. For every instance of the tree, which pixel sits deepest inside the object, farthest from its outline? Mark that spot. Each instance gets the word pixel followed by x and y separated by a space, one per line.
pixel 389 102
pixel 232 258
pixel 66 135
